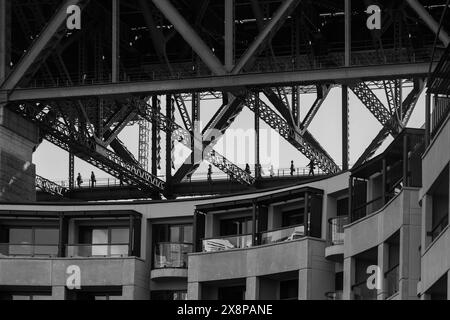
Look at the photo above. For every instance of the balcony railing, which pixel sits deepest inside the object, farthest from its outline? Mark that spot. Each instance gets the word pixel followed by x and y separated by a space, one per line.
pixel 227 243
pixel 439 227
pixel 440 113
pixel 392 278
pixel 171 255
pixel 281 235
pixel 362 292
pixel 28 250
pixel 97 250
pixel 336 232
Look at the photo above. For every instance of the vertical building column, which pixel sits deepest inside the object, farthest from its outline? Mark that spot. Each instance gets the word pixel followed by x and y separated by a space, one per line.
pixel 5 38
pixel 427 210
pixel 405 161
pixel 63 235
pixel 350 198
pixel 345 150
pixel 194 291
pixel 383 264
pixel 448 285
pixel 130 235
pixel 349 277
pixel 410 258
pixel 115 40
pixel 252 288
pixel 229 35
pixel 254 225
pixel 307 215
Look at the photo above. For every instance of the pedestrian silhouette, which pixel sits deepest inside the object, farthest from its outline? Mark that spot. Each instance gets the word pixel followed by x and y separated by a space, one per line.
pixel 209 173
pixel 271 172
pixel 79 180
pixel 247 169
pixel 93 180
pixel 292 168
pixel 312 167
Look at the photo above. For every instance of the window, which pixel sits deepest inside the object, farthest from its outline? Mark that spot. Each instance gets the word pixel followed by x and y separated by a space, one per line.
pixel 293 217
pixel 232 293
pixel 29 241
pixel 22 293
pixel 342 207
pixel 95 293
pixel 440 203
pixel 173 233
pixel 103 241
pixel 237 226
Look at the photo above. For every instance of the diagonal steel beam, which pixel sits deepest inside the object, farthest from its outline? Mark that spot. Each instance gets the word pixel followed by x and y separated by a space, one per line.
pixel 266 35
pixel 190 36
pixel 42 47
pixel 322 93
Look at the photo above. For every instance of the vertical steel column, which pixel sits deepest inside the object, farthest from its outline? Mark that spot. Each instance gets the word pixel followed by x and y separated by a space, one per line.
pixel 348 33
pixel 115 40
pixel 345 150
pixel 195 232
pixel 5 38
pixel 196 145
pixel 254 239
pixel 71 170
pixel 427 119
pixel 155 130
pixel 63 235
pixel 383 180
pixel 296 104
pixel 100 118
pixel 169 115
pixel 229 35
pixel 257 127
pixel 405 161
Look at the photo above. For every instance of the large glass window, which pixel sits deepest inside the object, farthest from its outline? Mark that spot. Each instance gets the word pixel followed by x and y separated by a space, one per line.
pixel 293 217
pixel 236 226
pixel 103 241
pixel 172 244
pixel 29 241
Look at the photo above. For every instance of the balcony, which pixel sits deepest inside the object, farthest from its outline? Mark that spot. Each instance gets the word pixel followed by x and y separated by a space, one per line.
pixel 335 249
pixel 170 260
pixel 97 250
pixel 227 243
pixel 28 250
pixel 392 278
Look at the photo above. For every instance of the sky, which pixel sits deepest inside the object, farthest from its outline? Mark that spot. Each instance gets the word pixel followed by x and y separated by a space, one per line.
pixel 238 143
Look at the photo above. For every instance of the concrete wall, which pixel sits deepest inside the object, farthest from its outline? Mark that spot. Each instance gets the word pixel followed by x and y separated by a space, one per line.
pixel 18 137
pixel 402 214
pixel 305 256
pixel 126 272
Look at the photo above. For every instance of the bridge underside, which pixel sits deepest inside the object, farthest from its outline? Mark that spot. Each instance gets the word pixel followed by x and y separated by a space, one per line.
pixel 152 63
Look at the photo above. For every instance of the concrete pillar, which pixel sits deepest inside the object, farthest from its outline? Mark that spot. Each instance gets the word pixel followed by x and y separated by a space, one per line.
pixel 304 284
pixel 58 293
pixel 427 207
pixel 18 138
pixel 194 291
pixel 252 288
pixel 383 263
pixel 128 292
pixel 409 272
pixel 349 277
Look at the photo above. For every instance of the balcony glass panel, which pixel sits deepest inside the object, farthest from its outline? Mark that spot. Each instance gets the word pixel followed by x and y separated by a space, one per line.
pixel 97 250
pixel 28 250
pixel 286 234
pixel 337 229
pixel 392 278
pixel 362 292
pixel 227 243
pixel 171 255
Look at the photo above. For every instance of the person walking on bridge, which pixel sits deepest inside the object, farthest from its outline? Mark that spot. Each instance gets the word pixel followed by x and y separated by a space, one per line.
pixel 79 180
pixel 312 167
pixel 93 180
pixel 210 173
pixel 292 168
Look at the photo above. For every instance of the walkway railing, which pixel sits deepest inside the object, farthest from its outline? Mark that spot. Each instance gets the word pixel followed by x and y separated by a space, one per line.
pixel 171 255
pixel 440 112
pixel 227 243
pixel 283 234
